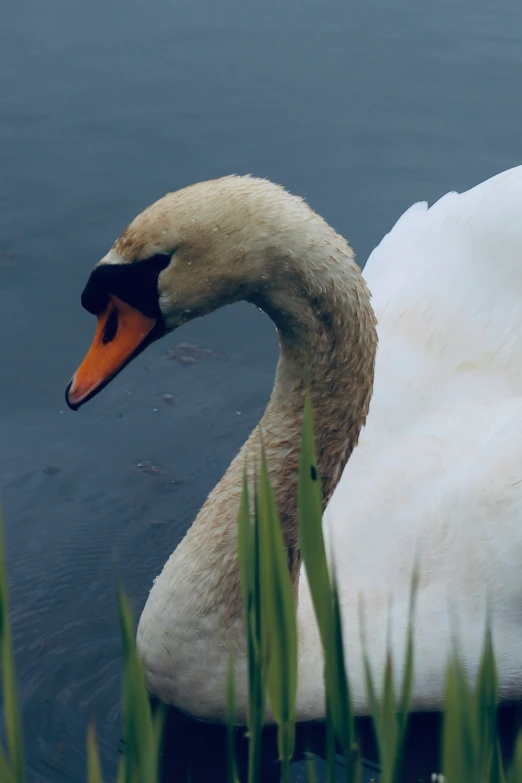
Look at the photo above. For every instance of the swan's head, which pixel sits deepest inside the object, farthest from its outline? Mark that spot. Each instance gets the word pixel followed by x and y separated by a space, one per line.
pixel 191 252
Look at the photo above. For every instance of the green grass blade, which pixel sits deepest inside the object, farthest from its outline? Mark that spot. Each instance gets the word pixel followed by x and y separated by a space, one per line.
pixel 338 688
pixel 246 560
pixel 122 772
pixel 244 553
pixel 485 707
pixel 6 774
pixel 370 686
pixel 249 570
pixel 388 728
pixel 330 745
pixel 452 762
pixel 407 681
pixel 323 590
pixel 515 770
pixel 141 736
pixel 93 759
pixel 496 772
pixel 279 621
pixel 311 774
pixel 11 709
pixel 459 750
pixel 310 513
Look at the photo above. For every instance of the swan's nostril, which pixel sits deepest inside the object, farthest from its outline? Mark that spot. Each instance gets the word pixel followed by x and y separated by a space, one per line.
pixel 111 327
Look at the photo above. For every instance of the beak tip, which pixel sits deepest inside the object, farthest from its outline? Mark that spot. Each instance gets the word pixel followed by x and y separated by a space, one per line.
pixel 72 405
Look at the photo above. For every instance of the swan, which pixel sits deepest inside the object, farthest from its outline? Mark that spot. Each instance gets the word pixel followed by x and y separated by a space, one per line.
pixel 436 477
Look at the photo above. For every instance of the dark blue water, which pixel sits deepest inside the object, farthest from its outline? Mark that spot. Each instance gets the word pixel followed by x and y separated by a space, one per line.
pixel 360 107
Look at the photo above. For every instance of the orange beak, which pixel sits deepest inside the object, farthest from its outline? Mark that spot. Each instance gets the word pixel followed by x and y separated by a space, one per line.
pixel 122 332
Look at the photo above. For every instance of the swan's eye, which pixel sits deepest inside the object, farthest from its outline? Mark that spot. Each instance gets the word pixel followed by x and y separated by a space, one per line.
pixel 111 327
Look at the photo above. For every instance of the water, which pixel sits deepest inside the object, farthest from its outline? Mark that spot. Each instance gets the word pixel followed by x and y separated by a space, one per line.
pixel 360 107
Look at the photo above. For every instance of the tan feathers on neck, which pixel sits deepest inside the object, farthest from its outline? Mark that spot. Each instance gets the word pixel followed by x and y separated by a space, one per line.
pixel 242 238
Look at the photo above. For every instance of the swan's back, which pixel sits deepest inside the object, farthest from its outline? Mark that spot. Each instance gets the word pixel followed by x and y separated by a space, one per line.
pixel 438 469
pixel 447 280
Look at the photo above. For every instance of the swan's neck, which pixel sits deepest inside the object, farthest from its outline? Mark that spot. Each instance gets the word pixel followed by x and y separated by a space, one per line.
pixel 327 342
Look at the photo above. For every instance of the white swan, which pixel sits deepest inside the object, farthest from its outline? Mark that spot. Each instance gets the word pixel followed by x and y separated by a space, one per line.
pixel 438 469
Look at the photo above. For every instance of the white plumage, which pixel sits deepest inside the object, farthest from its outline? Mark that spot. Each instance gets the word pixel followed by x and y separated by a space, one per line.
pixel 438 469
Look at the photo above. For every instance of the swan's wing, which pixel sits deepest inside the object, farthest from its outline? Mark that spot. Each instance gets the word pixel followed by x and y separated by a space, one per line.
pixel 447 280
pixel 446 283
pixel 438 469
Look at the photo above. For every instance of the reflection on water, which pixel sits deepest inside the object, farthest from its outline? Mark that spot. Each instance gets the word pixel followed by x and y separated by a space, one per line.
pixel 204 749
pixel 360 107
pixel 201 752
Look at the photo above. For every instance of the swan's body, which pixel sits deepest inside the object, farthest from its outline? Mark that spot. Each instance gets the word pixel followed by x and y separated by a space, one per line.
pixel 438 470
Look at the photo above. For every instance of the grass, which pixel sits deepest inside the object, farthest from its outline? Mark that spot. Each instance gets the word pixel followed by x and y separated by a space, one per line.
pixel 470 748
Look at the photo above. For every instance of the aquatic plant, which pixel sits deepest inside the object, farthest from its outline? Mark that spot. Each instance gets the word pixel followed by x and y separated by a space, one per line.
pixel 470 748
